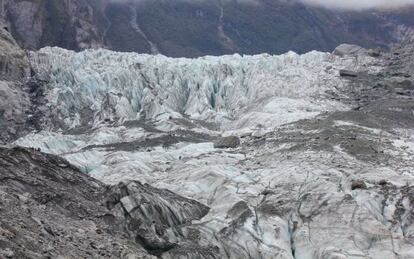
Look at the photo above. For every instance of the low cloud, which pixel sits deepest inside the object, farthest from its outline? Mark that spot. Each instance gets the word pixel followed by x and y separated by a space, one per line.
pixel 330 4
pixel 360 4
pixel 189 1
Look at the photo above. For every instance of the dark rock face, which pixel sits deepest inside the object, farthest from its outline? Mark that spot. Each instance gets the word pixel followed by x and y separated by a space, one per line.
pixel 14 65
pixel 358 184
pixel 14 100
pixel 69 24
pixel 227 142
pixel 347 73
pixel 52 210
pixel 197 28
pixel 151 215
pixel 401 58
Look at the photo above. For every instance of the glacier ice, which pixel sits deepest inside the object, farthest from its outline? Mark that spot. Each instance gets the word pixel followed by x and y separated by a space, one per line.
pixel 284 193
pixel 261 89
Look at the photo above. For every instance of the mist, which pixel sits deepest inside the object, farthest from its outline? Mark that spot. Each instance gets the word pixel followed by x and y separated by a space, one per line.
pixel 360 4
pixel 329 4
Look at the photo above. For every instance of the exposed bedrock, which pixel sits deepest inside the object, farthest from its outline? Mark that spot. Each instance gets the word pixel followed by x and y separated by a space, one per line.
pixel 14 101
pixel 53 209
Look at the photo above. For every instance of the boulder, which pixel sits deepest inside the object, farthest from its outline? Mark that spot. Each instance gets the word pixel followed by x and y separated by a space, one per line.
pixel 347 73
pixel 349 50
pixel 375 53
pixel 149 212
pixel 358 184
pixel 227 142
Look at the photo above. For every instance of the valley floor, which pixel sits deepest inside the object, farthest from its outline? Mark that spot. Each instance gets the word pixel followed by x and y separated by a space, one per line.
pixel 324 169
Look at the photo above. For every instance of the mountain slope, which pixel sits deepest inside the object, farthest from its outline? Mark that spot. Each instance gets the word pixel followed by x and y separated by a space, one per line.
pixel 191 29
pixel 54 210
pixel 14 100
pixel 69 24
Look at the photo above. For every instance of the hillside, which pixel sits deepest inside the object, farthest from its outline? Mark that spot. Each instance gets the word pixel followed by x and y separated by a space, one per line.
pixel 191 29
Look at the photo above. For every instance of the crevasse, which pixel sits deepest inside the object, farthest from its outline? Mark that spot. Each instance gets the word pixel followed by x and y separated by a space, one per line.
pixel 130 86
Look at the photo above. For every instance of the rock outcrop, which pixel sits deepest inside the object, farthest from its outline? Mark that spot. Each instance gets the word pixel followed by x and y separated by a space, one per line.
pixel 191 29
pixel 347 73
pixel 349 49
pixel 14 100
pixel 52 210
pixel 71 24
pixel 227 142
pixel 153 217
pixel 14 64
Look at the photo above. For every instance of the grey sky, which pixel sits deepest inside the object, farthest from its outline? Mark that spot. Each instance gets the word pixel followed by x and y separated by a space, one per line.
pixel 332 4
pixel 360 4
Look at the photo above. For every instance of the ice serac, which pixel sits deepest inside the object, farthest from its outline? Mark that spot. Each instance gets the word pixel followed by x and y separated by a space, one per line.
pixel 323 168
pixel 89 87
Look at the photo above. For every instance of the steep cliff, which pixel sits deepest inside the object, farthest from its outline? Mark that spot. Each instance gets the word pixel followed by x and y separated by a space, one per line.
pixel 198 28
pixel 70 24
pixel 14 100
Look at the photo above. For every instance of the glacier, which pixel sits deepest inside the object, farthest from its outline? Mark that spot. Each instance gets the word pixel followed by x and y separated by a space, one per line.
pixel 128 86
pixel 288 191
